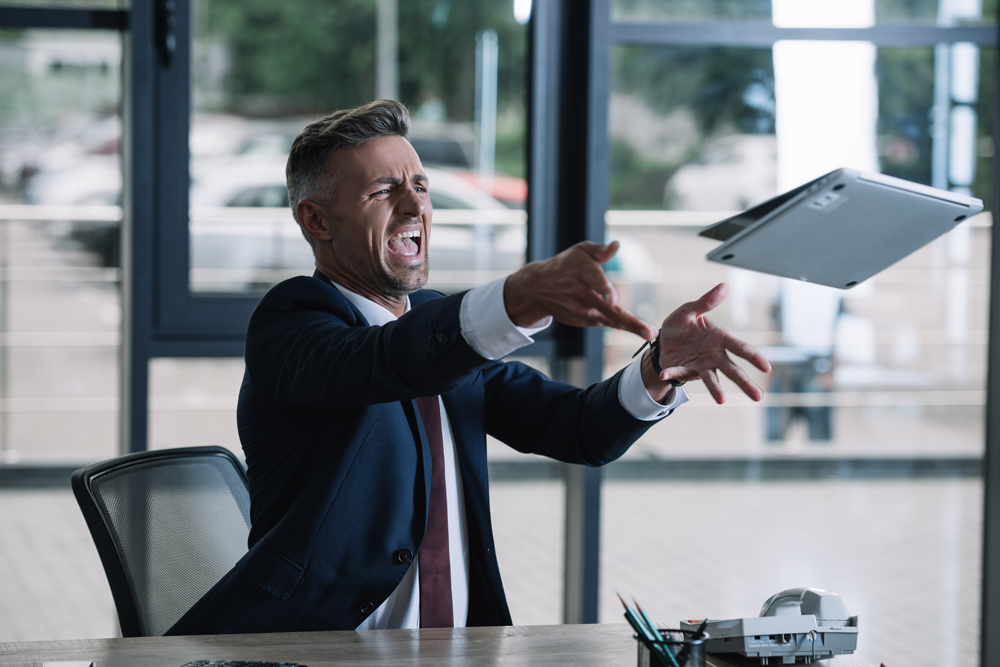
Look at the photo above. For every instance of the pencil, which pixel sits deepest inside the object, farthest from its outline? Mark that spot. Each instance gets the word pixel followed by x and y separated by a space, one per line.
pixel 663 653
pixel 656 632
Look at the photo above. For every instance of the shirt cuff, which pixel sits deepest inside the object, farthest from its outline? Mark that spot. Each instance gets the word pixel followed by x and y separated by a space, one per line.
pixel 634 397
pixel 485 324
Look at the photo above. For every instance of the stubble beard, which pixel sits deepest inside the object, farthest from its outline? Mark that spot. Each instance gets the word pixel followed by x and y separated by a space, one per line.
pixel 394 284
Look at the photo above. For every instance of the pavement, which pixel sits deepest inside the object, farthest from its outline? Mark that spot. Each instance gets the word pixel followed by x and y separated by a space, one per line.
pixel 903 554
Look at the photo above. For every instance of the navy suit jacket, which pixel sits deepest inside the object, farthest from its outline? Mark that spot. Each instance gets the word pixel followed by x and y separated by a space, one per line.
pixel 339 465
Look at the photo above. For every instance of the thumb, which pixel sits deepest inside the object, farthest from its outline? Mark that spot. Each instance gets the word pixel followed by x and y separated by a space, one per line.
pixel 711 299
pixel 601 253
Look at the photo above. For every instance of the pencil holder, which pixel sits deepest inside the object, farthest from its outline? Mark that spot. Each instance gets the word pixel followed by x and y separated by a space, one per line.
pixel 687 649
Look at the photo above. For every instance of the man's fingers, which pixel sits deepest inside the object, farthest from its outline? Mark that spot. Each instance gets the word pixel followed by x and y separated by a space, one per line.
pixel 744 350
pixel 675 373
pixel 711 381
pixel 711 299
pixel 598 282
pixel 623 319
pixel 589 308
pixel 620 318
pixel 741 380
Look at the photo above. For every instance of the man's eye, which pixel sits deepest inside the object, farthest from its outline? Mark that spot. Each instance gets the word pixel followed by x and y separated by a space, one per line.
pixel 382 192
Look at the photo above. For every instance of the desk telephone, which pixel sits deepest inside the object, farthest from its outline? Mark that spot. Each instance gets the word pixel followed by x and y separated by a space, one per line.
pixel 807 623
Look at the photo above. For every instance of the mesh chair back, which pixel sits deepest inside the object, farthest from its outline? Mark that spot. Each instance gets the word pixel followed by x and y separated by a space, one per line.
pixel 168 525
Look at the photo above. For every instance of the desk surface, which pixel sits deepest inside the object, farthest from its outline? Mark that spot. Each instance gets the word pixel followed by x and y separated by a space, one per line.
pixel 577 645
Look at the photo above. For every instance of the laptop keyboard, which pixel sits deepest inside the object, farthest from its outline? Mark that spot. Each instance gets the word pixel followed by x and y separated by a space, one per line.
pixel 239 663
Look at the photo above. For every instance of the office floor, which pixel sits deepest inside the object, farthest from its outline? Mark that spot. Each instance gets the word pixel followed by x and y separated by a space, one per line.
pixel 904 554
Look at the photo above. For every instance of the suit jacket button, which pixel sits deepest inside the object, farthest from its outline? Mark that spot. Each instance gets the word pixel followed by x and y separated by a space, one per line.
pixel 367 607
pixel 403 556
pixel 442 338
pixel 431 344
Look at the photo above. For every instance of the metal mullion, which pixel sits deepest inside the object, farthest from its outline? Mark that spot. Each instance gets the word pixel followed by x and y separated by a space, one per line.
pixel 139 197
pixel 989 639
pixel 764 35
pixel 77 19
pixel 181 316
pixel 590 28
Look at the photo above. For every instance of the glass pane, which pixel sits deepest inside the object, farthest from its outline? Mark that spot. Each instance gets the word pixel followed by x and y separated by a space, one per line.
pixel 528 518
pixel 192 402
pixel 252 96
pixel 816 13
pixel 869 386
pixel 60 304
pixel 54 586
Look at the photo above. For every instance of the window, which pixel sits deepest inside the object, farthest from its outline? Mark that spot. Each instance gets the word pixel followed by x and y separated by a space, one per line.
pixel 261 72
pixel 874 411
pixel 60 192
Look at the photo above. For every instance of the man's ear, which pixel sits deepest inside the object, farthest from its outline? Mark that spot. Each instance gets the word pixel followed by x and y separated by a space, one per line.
pixel 314 220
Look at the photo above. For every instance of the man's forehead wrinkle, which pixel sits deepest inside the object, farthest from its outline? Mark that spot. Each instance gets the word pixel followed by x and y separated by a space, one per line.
pixel 398 180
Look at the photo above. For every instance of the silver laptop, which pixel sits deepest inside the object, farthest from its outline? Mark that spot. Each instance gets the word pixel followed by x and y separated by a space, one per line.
pixel 840 229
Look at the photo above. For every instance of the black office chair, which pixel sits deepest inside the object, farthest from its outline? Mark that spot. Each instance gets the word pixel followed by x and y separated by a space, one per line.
pixel 168 524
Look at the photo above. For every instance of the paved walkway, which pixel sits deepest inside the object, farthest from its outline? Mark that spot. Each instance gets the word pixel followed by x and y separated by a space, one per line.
pixel 905 555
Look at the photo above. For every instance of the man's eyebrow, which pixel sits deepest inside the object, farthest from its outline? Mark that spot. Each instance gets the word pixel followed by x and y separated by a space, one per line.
pixel 398 180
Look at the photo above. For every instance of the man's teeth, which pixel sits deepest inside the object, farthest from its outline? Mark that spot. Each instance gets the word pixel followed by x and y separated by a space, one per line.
pixel 405 235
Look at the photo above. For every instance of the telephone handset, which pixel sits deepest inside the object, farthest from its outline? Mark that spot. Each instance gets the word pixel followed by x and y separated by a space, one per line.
pixel 807 623
pixel 827 607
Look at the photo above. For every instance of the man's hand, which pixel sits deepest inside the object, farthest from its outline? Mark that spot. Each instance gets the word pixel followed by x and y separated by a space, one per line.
pixel 573 288
pixel 693 346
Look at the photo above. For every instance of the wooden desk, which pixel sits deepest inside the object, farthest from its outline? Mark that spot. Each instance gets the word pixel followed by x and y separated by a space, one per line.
pixel 541 645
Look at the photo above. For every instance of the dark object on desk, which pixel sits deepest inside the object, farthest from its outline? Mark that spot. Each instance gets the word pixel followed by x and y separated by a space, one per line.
pixel 687 647
pixel 239 663
pixel 664 648
pixel 840 229
pixel 168 524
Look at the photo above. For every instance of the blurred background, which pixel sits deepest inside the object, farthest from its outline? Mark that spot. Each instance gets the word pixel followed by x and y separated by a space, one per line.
pixel 860 472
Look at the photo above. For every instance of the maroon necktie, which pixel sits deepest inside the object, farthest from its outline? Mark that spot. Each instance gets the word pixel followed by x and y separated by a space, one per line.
pixel 436 609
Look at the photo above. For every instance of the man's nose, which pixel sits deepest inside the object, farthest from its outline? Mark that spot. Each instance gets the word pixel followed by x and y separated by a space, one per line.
pixel 410 204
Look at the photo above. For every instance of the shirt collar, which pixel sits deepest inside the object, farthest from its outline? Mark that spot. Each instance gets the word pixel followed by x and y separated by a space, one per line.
pixel 375 314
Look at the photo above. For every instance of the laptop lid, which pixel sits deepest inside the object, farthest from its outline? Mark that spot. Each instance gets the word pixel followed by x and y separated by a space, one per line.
pixel 839 229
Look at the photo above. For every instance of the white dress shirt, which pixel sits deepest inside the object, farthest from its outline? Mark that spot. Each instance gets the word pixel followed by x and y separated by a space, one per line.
pixel 490 333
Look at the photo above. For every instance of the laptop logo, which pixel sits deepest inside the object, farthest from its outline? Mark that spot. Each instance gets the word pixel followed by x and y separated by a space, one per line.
pixel 824 200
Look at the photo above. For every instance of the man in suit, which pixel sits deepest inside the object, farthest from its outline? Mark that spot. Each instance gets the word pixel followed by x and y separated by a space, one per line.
pixel 366 400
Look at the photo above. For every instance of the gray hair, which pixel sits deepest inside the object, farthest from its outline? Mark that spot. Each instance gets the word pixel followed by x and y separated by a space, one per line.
pixel 308 172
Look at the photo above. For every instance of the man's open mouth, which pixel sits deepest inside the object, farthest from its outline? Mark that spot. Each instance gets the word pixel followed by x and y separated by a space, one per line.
pixel 405 244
